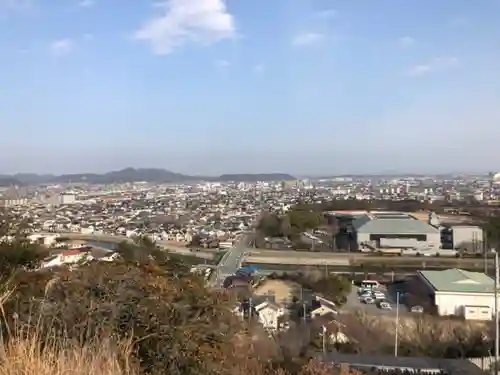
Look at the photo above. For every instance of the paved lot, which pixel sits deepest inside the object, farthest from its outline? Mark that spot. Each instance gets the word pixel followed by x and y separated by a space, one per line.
pixel 354 303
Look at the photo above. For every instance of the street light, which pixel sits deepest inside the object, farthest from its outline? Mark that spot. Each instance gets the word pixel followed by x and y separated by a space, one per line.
pixel 396 336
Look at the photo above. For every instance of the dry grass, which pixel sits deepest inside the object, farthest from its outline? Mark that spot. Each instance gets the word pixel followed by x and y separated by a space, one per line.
pixel 410 325
pixel 25 356
pixel 24 351
pixel 70 327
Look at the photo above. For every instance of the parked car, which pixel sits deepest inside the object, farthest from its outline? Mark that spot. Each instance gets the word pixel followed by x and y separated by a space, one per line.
pixel 385 306
pixel 368 300
pixel 378 295
pixel 417 309
pixel 365 294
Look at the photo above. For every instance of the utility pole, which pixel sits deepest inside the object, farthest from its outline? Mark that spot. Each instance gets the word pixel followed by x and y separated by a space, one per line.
pixel 396 336
pixel 497 337
pixel 485 252
pixel 250 311
pixel 324 343
pixel 304 312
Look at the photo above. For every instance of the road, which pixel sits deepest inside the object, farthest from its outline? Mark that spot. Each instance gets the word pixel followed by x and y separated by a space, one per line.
pixel 116 239
pixel 242 250
pixel 232 260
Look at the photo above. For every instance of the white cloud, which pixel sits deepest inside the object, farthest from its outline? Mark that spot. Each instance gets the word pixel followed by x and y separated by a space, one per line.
pixel 187 21
pixel 307 38
pixel 222 64
pixel 61 47
pixel 406 41
pixel 437 64
pixel 86 3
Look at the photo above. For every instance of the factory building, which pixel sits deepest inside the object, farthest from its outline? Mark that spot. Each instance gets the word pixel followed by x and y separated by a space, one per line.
pixel 468 238
pixel 385 230
pixel 459 292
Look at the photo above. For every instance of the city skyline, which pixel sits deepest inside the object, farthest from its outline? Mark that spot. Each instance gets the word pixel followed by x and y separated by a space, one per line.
pixel 209 87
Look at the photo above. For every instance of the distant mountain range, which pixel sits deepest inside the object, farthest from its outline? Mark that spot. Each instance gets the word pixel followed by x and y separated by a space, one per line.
pixel 134 175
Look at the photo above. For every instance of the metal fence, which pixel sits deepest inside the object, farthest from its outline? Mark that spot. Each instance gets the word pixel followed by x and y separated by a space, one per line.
pixel 484 363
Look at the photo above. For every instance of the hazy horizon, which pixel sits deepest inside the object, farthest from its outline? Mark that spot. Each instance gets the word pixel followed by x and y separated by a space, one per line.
pixel 298 175
pixel 307 87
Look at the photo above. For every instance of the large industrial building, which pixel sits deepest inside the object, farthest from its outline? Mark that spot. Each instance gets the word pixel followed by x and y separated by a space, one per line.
pixel 469 238
pixel 384 230
pixel 459 292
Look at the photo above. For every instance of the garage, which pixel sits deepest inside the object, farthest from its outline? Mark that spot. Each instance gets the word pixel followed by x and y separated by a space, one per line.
pixel 460 293
pixel 478 312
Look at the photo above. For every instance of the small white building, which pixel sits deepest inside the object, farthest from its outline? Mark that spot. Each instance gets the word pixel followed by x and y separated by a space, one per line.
pixel 270 315
pixel 459 292
pixel 68 257
pixel 48 240
pixel 67 198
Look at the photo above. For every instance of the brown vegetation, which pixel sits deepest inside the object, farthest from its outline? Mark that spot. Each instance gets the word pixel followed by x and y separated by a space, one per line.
pixel 139 316
pixel 418 336
pixel 148 315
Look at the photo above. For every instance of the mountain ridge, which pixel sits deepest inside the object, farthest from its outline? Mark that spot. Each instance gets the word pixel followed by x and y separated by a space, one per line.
pixel 134 175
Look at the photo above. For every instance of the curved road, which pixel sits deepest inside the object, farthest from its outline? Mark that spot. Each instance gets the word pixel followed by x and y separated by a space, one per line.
pixel 232 260
pixel 116 239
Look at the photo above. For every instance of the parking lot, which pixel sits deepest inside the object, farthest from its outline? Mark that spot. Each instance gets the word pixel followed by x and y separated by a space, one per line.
pixel 354 302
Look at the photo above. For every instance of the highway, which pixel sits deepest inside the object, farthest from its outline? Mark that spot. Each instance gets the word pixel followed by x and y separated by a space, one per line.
pixel 232 260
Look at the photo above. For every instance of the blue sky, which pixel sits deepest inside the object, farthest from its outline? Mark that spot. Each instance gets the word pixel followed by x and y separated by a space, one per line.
pixel 212 86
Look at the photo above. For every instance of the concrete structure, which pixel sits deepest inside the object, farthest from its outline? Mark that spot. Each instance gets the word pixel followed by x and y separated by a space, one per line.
pixel 48 240
pixel 378 230
pixel 459 292
pixel 67 198
pixel 468 237
pixel 14 202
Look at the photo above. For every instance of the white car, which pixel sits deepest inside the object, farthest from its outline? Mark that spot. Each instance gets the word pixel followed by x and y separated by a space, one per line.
pixel 368 300
pixel 363 290
pixel 385 306
pixel 379 295
pixel 417 309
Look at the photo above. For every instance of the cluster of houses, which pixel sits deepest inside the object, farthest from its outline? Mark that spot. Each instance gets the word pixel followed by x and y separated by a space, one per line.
pixel 79 256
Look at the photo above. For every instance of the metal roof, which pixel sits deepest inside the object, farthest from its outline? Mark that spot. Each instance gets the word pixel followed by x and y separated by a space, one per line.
pixel 459 281
pixel 403 225
pixel 410 364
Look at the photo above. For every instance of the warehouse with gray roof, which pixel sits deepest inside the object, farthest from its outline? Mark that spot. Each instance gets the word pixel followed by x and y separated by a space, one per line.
pixel 459 292
pixel 397 230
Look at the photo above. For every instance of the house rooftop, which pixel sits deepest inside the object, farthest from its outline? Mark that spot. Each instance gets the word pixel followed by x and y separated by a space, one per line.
pixel 459 281
pixel 410 364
